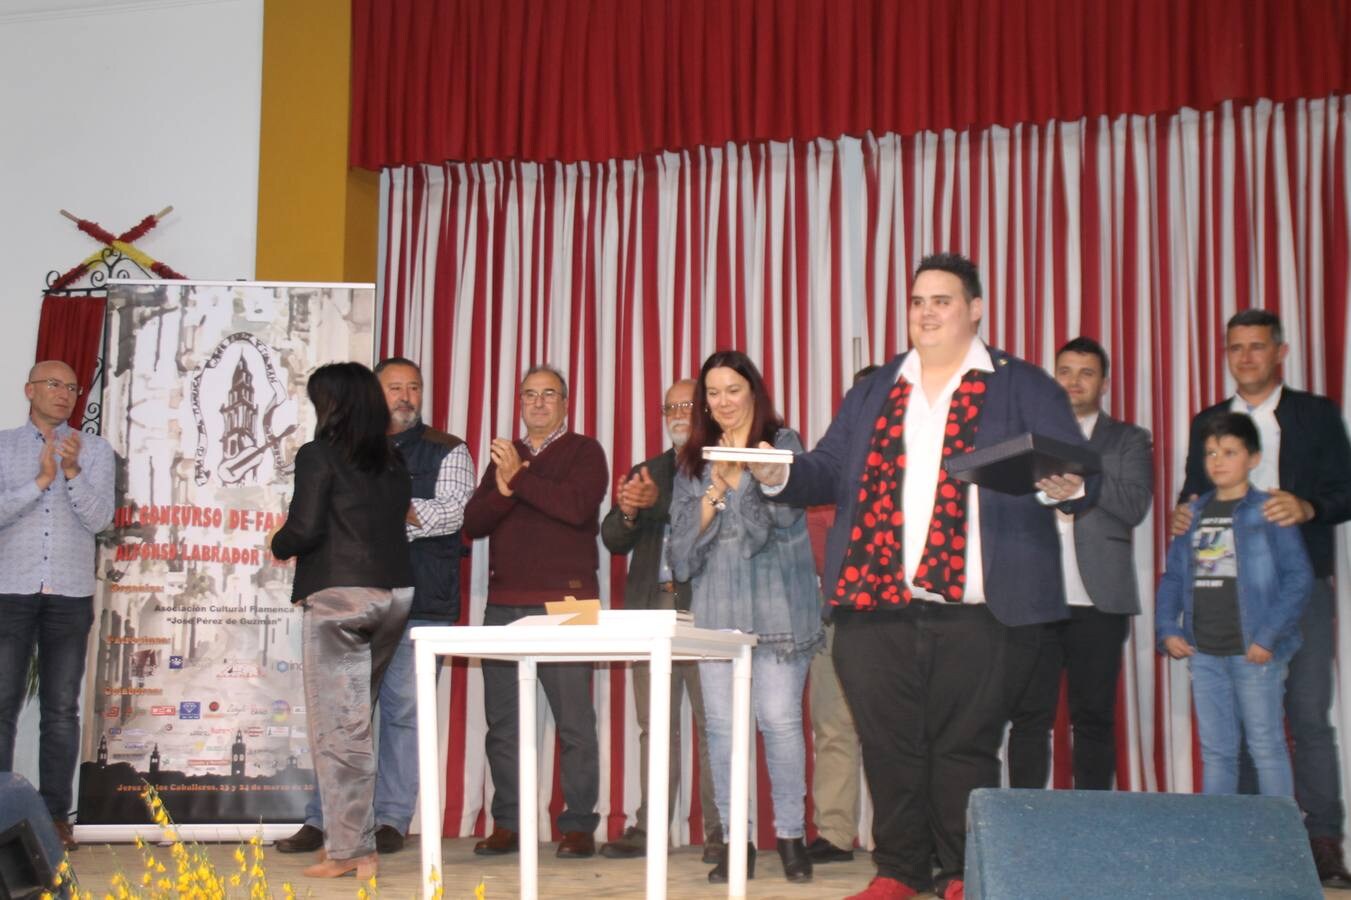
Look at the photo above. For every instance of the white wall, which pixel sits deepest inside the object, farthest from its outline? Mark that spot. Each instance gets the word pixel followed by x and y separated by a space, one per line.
pixel 113 109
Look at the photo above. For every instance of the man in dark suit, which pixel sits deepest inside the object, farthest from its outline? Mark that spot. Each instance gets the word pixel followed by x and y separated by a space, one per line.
pixel 1306 467
pixel 1097 558
pixel 936 624
pixel 638 523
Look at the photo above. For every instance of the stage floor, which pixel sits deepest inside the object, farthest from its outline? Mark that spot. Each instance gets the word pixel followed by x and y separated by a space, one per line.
pixel 594 878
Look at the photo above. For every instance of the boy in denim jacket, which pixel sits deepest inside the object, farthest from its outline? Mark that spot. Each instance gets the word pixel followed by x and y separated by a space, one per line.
pixel 1238 584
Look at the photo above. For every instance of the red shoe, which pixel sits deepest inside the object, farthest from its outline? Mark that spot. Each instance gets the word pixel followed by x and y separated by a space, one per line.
pixel 882 888
pixel 956 890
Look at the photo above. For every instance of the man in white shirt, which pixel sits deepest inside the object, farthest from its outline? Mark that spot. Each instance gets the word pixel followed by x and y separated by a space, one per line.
pixel 1306 468
pixel 1098 561
pixel 937 625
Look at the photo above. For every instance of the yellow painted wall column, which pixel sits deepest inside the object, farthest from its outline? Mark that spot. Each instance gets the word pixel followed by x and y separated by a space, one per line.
pixel 317 218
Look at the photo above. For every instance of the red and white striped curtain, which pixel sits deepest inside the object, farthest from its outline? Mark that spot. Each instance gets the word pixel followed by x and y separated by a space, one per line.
pixel 1143 232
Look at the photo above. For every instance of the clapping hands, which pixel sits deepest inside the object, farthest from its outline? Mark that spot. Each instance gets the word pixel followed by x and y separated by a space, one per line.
pixel 508 462
pixel 636 492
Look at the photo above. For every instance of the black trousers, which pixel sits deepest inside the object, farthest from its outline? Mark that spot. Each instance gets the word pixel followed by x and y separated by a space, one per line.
pixel 931 687
pixel 1087 646
pixel 567 687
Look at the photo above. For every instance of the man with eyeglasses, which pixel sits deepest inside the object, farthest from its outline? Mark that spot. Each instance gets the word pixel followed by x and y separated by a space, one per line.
pixel 539 506
pixel 639 522
pixel 56 493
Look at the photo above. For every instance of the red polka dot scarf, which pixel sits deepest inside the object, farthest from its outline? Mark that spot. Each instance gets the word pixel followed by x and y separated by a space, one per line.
pixel 873 575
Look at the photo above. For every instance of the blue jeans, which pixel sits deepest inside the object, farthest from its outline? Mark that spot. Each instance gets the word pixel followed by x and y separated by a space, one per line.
pixel 58 628
pixel 1235 701
pixel 776 697
pixel 396 781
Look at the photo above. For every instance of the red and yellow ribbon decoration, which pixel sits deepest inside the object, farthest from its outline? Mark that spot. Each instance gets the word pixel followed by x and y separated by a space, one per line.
pixel 122 243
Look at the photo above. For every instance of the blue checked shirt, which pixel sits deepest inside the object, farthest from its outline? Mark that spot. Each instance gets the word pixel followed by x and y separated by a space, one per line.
pixel 47 537
pixel 444 513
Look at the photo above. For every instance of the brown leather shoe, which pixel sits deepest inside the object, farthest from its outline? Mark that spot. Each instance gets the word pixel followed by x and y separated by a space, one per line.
pixel 307 840
pixel 1327 859
pixel 66 833
pixel 501 841
pixel 576 845
pixel 632 845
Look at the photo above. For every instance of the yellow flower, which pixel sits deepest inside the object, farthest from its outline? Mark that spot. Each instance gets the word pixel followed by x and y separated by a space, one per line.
pixel 362 895
pixel 481 891
pixel 239 855
pixel 234 880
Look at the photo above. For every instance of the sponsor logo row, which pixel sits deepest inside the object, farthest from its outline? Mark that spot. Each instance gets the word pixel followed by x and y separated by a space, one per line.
pixel 193 709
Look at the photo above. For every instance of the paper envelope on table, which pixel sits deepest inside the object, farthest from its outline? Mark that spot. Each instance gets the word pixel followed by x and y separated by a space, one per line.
pixel 1016 465
pixel 579 612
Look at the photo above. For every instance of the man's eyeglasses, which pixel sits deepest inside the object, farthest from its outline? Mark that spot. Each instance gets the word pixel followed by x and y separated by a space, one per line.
pixel 55 385
pixel 548 395
pixel 684 406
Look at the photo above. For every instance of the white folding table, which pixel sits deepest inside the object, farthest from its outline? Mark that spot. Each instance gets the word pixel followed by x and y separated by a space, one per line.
pixel 653 636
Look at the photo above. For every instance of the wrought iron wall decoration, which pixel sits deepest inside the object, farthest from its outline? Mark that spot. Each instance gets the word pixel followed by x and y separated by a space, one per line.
pixel 118 258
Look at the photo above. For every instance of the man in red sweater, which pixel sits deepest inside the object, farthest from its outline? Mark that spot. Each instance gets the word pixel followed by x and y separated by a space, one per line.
pixel 539 506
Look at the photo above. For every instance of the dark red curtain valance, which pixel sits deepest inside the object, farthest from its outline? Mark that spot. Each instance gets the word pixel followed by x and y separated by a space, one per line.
pixel 437 80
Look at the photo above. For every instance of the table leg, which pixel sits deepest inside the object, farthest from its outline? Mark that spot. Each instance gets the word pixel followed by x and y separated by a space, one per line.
pixel 741 751
pixel 528 781
pixel 429 772
pixel 658 767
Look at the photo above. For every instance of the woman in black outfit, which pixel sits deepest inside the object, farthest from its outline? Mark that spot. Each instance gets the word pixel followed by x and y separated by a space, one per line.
pixel 346 529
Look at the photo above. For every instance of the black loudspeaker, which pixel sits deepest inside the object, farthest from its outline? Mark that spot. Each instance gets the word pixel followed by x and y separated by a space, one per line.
pixel 29 847
pixel 1107 844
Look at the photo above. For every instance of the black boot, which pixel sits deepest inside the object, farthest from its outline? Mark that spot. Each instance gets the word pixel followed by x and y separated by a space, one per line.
pixel 797 865
pixel 718 875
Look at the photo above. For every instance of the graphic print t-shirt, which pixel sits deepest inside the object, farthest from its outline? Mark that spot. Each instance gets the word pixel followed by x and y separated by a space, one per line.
pixel 1215 616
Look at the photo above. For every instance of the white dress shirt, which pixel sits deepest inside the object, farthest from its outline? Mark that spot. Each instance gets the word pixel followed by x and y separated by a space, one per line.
pixel 1075 592
pixel 925 423
pixel 1267 475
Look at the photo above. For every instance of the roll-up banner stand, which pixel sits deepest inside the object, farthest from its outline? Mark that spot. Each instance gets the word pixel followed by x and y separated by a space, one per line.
pixel 194 669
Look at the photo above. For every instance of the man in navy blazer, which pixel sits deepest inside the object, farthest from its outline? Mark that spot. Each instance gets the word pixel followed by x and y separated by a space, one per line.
pixel 1306 467
pixel 936 626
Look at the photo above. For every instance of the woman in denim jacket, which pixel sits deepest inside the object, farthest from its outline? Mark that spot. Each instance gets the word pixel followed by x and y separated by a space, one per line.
pixel 750 565
pixel 1238 585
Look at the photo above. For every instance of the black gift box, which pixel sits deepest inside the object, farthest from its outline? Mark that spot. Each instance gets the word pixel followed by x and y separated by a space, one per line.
pixel 1016 465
